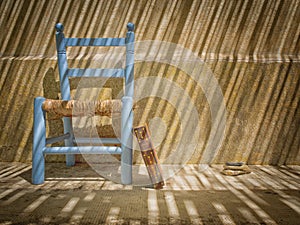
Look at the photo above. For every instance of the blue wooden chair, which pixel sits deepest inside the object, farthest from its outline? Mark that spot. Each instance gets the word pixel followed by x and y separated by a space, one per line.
pixel 39 128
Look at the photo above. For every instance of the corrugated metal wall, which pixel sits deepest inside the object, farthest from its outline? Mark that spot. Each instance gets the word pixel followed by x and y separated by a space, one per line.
pixel 252 47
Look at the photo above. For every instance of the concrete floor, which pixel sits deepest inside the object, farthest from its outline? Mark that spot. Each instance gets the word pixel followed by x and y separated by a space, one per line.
pixel 77 195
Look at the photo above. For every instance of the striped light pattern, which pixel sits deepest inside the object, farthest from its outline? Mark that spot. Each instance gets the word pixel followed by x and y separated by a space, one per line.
pixel 252 47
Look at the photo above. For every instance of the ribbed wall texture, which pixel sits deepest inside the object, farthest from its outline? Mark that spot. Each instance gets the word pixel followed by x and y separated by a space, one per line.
pixel 251 46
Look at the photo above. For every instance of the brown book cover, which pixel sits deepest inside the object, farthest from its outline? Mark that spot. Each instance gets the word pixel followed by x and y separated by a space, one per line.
pixel 149 156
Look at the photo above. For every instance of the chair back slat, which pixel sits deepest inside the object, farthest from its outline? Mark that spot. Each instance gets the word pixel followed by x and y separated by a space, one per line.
pixel 85 42
pixel 75 72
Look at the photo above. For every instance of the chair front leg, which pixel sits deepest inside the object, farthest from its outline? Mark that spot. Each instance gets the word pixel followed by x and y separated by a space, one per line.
pixel 39 142
pixel 126 140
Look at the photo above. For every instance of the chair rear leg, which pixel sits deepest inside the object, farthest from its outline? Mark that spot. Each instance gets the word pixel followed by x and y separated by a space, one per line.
pixel 70 158
pixel 39 142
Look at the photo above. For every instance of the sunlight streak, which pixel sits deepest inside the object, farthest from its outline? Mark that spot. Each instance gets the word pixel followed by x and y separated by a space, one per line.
pixel 113 215
pixel 192 212
pixel 34 205
pixel 172 207
pixel 223 213
pixel 153 210
pixel 89 197
pixel 248 215
pixel 70 205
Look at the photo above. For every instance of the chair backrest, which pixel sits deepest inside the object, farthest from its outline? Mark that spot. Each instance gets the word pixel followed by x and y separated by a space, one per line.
pixel 64 72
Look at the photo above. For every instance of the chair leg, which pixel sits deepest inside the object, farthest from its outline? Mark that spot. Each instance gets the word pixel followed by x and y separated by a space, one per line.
pixel 126 141
pixel 70 160
pixel 39 142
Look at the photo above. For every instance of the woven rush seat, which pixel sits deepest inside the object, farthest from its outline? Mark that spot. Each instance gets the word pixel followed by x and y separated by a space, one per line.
pixel 72 108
